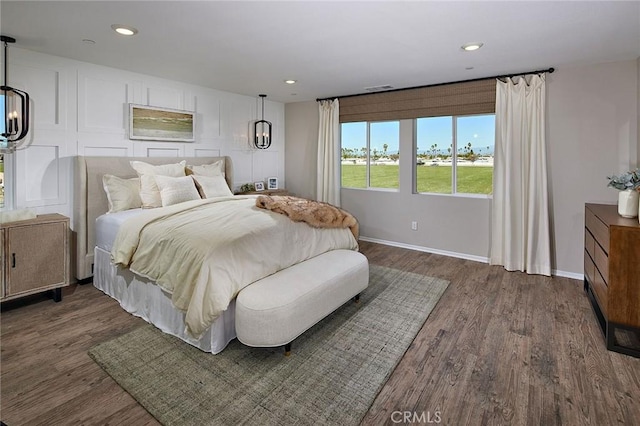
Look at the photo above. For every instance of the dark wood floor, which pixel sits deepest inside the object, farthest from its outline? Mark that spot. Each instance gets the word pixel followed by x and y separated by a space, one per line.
pixel 499 348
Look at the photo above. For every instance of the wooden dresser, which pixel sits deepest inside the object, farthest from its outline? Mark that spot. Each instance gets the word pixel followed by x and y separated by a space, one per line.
pixel 35 256
pixel 612 275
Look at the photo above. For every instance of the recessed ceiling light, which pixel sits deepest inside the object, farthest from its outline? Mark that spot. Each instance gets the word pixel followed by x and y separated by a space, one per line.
pixel 471 46
pixel 124 29
pixel 290 81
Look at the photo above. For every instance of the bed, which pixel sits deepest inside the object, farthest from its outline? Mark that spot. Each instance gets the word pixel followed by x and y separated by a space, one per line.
pixel 156 302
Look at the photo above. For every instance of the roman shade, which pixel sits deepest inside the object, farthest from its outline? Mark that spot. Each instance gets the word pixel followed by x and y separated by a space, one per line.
pixel 470 97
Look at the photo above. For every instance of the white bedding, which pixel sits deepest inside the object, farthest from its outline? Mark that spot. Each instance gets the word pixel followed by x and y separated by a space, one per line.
pixel 141 297
pixel 204 252
pixel 107 226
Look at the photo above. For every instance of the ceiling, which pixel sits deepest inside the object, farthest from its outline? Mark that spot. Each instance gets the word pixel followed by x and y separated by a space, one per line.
pixel 330 48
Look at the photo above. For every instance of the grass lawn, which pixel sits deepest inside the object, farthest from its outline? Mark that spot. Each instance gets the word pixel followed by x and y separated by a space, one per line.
pixel 471 179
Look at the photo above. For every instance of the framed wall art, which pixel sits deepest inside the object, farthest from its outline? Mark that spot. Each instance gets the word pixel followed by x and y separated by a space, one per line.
pixel 161 124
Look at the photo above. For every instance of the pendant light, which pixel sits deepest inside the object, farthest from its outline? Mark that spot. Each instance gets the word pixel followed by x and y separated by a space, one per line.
pixel 16 109
pixel 262 129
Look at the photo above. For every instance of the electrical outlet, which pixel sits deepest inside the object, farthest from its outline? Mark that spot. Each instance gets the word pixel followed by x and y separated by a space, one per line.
pixel 414 225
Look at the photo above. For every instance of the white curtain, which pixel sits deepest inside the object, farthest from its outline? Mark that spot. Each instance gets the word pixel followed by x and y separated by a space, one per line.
pixel 520 238
pixel 328 186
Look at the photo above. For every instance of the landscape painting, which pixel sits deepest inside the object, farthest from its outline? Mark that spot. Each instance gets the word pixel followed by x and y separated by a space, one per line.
pixel 160 124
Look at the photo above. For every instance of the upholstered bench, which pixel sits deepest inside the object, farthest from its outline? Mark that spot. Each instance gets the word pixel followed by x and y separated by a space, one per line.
pixel 276 309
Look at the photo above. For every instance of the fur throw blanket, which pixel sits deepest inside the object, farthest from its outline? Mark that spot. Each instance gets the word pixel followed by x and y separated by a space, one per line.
pixel 314 213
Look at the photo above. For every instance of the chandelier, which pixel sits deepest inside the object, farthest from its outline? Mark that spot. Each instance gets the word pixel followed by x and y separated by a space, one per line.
pixel 262 129
pixel 16 109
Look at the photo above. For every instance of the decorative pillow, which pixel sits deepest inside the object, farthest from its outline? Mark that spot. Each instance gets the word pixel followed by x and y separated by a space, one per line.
pixel 174 190
pixel 149 193
pixel 122 194
pixel 174 170
pixel 212 186
pixel 215 169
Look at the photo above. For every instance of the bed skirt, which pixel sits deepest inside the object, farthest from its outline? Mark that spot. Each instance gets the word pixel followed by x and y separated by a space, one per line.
pixel 142 298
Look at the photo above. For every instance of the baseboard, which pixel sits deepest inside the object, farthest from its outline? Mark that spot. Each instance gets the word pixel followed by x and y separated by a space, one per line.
pixel 565 274
pixel 427 249
pixel 481 259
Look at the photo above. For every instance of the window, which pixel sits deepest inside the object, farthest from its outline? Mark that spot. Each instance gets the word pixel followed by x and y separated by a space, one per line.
pixel 370 154
pixel 454 154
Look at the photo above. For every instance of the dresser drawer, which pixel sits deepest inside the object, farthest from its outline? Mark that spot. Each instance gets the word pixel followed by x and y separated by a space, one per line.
pixel 602 262
pixel 598 229
pixel 589 243
pixel 601 291
pixel 589 267
pixel 596 282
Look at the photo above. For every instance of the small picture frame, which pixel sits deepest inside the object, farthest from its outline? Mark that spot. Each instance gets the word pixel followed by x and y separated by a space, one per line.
pixel 259 186
pixel 272 183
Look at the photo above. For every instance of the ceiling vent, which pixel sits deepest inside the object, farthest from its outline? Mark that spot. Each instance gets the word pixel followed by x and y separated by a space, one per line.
pixel 378 88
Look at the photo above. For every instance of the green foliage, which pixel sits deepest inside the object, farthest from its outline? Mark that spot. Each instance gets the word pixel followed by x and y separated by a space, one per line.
pixel 471 180
pixel 247 187
pixel 628 180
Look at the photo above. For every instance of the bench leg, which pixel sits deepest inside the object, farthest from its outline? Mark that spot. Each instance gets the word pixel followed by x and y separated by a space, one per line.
pixel 356 299
pixel 287 349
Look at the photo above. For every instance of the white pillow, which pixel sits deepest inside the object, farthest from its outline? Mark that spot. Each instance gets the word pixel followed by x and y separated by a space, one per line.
pixel 122 194
pixel 174 190
pixel 174 170
pixel 215 169
pixel 149 193
pixel 212 186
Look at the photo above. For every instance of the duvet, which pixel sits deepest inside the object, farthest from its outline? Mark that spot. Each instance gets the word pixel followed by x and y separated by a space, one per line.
pixel 203 252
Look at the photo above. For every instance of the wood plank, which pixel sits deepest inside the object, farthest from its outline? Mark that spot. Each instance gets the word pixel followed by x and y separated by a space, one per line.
pixel 499 348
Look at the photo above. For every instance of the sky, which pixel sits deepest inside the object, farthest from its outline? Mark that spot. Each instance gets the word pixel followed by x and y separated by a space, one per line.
pixel 477 129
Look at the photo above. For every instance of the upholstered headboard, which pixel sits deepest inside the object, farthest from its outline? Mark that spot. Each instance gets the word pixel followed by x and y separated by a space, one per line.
pixel 90 200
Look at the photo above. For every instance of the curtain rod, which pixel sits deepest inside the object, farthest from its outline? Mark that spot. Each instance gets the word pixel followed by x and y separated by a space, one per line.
pixel 549 70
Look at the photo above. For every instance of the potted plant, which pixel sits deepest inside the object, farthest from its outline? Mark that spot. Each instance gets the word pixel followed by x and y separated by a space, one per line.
pixel 247 187
pixel 628 198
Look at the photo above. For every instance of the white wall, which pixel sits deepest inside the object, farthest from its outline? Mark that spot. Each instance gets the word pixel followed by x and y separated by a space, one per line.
pixel 301 155
pixel 82 109
pixel 592 131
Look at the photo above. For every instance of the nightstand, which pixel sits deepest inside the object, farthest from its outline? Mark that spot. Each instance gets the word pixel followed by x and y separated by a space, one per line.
pixel 267 192
pixel 35 256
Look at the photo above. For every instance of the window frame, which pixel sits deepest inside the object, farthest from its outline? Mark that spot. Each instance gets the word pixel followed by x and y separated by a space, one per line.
pixel 454 159
pixel 368 186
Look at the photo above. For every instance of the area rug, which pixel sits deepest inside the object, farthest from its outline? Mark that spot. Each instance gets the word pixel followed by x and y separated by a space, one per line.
pixel 334 373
